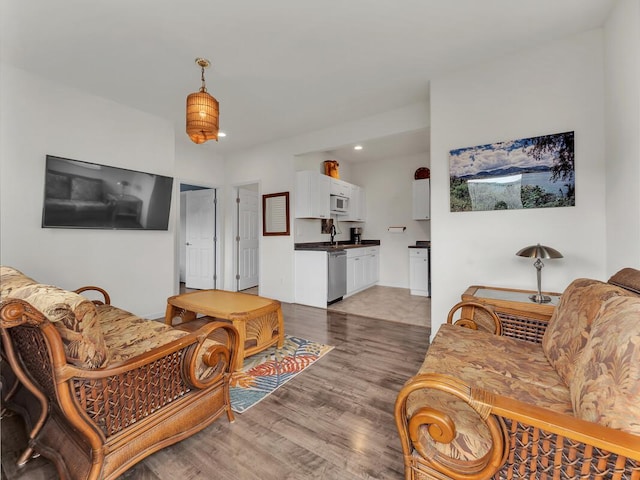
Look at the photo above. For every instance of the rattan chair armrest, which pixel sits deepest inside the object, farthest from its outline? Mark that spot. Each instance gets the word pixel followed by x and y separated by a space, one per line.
pixel 106 299
pixel 512 425
pixel 222 357
pixel 441 427
pixel 470 322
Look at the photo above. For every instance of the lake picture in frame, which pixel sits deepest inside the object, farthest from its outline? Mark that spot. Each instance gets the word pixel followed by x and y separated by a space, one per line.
pixel 536 172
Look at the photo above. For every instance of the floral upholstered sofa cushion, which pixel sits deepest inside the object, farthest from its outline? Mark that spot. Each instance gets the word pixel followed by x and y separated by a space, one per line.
pixel 499 365
pixel 606 385
pixel 569 327
pixel 128 336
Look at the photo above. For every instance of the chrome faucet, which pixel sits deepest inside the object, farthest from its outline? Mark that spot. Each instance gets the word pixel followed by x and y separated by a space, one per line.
pixel 333 233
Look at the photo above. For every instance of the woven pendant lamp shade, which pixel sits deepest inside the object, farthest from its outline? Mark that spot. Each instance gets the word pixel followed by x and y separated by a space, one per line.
pixel 202 117
pixel 203 111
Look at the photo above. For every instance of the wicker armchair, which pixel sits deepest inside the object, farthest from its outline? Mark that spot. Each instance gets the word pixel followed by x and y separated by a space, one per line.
pixel 481 407
pixel 114 415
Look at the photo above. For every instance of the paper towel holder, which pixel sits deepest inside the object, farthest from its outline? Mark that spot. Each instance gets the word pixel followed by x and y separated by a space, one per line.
pixel 397 229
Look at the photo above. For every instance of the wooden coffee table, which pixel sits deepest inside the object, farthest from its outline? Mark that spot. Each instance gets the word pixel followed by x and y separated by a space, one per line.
pixel 258 320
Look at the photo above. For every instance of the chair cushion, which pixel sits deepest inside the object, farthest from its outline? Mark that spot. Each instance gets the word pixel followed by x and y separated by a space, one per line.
pixel 606 385
pixel 76 319
pixel 570 324
pixel 499 365
pixel 127 336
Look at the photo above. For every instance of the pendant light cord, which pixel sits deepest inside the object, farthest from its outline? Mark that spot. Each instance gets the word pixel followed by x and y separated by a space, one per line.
pixel 203 88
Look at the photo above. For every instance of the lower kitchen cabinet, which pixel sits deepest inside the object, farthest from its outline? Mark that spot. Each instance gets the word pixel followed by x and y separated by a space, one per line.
pixel 419 272
pixel 363 268
pixel 311 278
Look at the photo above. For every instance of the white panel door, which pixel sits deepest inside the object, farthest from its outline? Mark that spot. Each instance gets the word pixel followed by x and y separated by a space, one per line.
pixel 200 238
pixel 247 274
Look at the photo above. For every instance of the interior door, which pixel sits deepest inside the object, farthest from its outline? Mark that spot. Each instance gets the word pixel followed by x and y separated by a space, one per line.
pixel 248 206
pixel 200 239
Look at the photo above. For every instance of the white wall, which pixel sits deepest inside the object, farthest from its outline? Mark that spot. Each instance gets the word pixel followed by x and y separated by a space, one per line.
pixel 388 185
pixel 622 123
pixel 549 89
pixel 274 164
pixel 38 117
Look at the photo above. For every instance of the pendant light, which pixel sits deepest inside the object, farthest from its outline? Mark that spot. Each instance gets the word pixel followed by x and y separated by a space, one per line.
pixel 202 111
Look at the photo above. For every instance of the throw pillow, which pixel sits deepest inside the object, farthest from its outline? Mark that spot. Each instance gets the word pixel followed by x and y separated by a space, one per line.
pixel 76 319
pixel 570 324
pixel 606 385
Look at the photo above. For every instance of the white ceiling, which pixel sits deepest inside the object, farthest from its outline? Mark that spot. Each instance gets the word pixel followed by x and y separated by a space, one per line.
pixel 393 146
pixel 279 67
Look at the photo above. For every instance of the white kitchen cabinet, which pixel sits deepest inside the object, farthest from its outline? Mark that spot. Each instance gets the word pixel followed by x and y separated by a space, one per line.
pixel 419 271
pixel 372 266
pixel 357 205
pixel 340 187
pixel 421 199
pixel 311 278
pixel 312 195
pixel 363 267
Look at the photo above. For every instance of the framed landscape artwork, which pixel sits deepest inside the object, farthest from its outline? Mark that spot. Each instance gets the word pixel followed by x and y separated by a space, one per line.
pixel 536 172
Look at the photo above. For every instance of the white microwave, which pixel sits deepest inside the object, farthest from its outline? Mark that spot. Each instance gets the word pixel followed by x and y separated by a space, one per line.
pixel 339 204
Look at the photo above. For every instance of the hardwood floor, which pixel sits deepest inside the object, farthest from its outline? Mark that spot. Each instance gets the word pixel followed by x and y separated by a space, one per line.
pixel 333 421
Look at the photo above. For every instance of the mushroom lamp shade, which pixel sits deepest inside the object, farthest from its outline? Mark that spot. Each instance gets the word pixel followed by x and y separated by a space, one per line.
pixel 538 252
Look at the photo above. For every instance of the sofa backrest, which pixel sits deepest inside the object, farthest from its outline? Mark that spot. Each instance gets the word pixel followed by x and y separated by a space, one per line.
pixel 606 385
pixel 627 278
pixel 74 316
pixel 570 325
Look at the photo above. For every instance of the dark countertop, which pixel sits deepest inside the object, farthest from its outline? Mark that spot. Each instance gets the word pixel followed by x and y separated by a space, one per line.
pixel 342 245
pixel 421 244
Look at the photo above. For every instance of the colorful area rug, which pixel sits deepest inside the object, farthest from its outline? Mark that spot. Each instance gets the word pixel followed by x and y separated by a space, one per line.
pixel 264 372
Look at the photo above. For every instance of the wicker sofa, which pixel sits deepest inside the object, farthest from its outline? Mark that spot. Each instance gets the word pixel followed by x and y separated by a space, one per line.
pixel 484 405
pixel 114 386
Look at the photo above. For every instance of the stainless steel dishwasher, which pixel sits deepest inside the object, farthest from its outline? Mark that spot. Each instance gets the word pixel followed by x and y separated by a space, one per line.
pixel 337 273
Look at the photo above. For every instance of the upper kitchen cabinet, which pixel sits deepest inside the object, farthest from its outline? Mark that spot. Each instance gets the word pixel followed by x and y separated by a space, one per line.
pixel 357 205
pixel 312 195
pixel 421 199
pixel 340 187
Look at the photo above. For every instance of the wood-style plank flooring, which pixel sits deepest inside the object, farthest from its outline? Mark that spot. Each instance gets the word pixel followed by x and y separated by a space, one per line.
pixel 333 421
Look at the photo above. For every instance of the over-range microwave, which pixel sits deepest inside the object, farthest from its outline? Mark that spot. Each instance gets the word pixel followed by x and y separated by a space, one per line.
pixel 339 204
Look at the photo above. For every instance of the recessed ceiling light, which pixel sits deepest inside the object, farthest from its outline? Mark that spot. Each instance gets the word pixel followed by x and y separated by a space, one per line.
pixel 222 134
pixel 358 147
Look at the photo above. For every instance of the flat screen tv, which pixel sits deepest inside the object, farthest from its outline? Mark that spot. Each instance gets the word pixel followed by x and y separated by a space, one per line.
pixel 80 194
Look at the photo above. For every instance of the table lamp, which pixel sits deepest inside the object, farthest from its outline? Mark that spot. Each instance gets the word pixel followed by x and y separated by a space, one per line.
pixel 539 251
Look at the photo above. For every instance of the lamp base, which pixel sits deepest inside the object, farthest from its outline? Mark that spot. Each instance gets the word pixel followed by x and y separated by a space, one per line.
pixel 539 298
